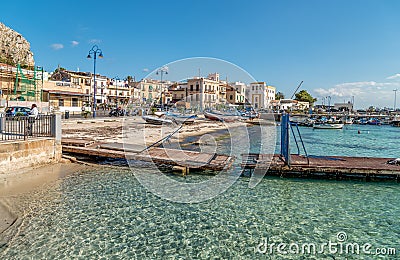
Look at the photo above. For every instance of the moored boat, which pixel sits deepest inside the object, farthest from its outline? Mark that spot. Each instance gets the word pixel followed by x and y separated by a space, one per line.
pixel 328 126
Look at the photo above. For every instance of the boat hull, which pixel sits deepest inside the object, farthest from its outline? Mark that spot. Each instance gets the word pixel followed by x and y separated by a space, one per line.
pixel 156 121
pixel 221 118
pixel 328 126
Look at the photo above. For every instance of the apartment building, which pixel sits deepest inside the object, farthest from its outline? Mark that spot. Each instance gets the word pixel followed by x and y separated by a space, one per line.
pixel 235 93
pixel 118 92
pixel 206 92
pixel 259 95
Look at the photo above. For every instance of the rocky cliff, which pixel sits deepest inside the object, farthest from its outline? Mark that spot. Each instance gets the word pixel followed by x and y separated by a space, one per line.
pixel 14 48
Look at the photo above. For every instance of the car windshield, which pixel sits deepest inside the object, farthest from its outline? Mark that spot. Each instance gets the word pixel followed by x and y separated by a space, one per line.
pixel 8 110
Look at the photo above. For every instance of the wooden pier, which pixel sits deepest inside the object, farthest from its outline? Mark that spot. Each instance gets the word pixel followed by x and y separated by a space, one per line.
pixel 322 166
pixel 173 157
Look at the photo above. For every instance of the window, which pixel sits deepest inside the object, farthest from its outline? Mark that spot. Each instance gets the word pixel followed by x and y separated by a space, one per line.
pixel 230 97
pixel 252 88
pixel 75 102
pixel 191 87
pixel 181 95
pixel 61 102
pixel 197 87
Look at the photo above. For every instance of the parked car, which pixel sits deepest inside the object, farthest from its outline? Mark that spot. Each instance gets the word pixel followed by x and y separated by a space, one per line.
pixel 18 111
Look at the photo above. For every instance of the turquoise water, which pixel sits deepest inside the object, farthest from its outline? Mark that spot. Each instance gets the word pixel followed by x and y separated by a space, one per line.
pixel 109 214
pixel 373 141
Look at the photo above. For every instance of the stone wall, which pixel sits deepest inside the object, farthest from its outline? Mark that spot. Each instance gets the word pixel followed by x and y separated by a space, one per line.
pixel 14 47
pixel 23 154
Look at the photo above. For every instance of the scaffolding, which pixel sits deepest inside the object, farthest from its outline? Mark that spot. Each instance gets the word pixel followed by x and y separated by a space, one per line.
pixel 28 84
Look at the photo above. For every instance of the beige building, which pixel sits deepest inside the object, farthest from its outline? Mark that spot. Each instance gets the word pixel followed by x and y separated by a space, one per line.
pixel 64 96
pixel 206 92
pixel 236 92
pixel 151 90
pixel 260 95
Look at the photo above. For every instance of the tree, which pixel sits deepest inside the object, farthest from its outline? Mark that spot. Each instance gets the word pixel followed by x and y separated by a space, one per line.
pixel 59 69
pixel 304 96
pixel 129 79
pixel 279 95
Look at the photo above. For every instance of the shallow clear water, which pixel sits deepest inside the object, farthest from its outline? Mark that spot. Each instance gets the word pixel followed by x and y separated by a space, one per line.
pixel 110 214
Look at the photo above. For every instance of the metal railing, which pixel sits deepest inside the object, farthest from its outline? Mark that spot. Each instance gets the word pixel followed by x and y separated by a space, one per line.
pixel 24 127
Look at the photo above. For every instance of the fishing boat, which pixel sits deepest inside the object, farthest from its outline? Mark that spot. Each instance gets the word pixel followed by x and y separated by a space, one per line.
pixel 181 118
pixel 374 121
pixel 220 117
pixel 396 121
pixel 328 126
pixel 348 121
pixel 159 113
pixel 156 120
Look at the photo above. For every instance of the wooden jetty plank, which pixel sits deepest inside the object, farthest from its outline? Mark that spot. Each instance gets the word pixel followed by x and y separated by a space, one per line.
pixel 323 164
pixel 173 157
pixel 76 142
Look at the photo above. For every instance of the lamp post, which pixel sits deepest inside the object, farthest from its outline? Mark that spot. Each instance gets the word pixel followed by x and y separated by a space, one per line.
pixel 116 88
pixel 95 51
pixel 161 71
pixel 395 95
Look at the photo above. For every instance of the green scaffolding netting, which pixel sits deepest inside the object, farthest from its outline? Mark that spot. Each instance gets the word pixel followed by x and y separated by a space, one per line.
pixel 25 87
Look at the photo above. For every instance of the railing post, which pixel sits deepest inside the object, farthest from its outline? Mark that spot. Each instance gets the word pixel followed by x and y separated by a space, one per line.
pixel 2 122
pixel 285 150
pixel 56 127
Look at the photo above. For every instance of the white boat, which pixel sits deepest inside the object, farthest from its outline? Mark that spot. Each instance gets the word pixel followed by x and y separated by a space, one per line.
pixel 348 121
pixel 328 126
pixel 156 120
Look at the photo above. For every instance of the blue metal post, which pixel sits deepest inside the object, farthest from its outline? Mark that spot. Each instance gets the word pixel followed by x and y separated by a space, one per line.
pixel 285 138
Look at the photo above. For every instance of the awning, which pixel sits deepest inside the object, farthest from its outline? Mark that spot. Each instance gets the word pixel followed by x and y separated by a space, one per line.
pixel 67 93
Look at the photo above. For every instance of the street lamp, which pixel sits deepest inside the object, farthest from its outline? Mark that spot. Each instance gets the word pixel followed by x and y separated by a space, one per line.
pixel 95 51
pixel 395 94
pixel 116 87
pixel 161 71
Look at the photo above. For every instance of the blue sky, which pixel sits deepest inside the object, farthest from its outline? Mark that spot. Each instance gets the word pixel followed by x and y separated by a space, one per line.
pixel 338 48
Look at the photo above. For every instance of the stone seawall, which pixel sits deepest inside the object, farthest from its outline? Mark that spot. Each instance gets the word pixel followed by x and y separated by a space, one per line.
pixel 23 154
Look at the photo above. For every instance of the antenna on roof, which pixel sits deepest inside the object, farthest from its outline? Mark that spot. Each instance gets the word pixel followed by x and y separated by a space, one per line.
pixel 296 89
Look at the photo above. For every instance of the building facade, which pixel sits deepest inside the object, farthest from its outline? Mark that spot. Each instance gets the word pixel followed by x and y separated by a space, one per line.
pixel 260 95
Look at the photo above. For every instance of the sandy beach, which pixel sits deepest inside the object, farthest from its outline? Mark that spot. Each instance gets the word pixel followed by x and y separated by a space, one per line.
pixel 134 130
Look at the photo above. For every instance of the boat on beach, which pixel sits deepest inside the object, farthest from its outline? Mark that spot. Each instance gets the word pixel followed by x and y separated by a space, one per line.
pixel 328 126
pixel 220 117
pixel 181 118
pixel 156 120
